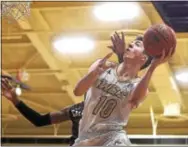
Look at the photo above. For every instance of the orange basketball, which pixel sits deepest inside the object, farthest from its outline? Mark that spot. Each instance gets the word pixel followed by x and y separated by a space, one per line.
pixel 158 38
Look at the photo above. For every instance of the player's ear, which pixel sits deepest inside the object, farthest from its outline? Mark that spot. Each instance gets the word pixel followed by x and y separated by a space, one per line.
pixel 147 63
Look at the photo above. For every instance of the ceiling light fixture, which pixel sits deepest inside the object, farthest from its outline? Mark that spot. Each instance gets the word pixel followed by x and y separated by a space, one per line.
pixel 172 109
pixel 116 11
pixel 73 45
pixel 182 76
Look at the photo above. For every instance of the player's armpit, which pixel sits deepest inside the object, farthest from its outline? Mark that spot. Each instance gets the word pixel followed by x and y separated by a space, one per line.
pixel 135 103
pixel 60 116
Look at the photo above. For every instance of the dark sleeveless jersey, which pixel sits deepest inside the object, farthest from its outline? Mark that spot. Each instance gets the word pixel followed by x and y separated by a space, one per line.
pixel 75 114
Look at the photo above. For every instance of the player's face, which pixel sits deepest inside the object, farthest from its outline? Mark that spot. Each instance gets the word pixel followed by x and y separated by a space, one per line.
pixel 135 48
pixel 136 45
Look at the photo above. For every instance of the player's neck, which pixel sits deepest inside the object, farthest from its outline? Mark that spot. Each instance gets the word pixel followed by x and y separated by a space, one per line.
pixel 125 70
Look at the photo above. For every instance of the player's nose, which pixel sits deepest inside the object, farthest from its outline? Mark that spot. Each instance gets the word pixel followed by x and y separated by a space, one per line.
pixel 130 47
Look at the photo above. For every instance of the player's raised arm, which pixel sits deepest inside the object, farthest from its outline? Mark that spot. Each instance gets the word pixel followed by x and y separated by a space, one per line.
pixel 95 70
pixel 141 89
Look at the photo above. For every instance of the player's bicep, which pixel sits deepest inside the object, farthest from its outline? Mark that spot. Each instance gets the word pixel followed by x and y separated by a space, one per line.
pixel 60 116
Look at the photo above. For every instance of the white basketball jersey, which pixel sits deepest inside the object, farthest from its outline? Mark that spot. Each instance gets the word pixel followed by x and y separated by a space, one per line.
pixel 106 105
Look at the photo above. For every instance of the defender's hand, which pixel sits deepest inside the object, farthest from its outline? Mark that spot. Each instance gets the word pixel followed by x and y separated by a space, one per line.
pixel 118 44
pixel 8 91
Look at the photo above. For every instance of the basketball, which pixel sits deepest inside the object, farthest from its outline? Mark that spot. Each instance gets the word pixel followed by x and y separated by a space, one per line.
pixel 158 38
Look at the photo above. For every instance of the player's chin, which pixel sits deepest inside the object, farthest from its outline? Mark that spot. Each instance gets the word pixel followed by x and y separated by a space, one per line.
pixel 127 56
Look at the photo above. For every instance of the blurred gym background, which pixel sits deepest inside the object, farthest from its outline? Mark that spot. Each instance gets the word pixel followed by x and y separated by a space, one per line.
pixel 41 45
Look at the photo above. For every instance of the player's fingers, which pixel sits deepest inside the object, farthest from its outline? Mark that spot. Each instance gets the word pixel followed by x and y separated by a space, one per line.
pixel 13 90
pixel 117 36
pixel 163 55
pixel 8 84
pixel 107 56
pixel 2 81
pixel 110 47
pixel 4 86
pixel 170 52
pixel 102 62
pixel 113 40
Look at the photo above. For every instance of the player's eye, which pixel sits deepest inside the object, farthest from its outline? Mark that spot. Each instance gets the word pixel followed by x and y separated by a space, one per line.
pixel 138 44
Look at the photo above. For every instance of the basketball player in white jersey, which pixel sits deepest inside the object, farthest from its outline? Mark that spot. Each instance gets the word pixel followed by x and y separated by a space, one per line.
pixel 111 94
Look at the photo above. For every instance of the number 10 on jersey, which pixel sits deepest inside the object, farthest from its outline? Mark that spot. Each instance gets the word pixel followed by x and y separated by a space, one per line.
pixel 104 107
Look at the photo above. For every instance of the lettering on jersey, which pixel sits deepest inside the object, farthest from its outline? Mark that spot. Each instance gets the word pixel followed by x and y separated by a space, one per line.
pixel 128 88
pixel 76 113
pixel 114 89
pixel 77 109
pixel 103 85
